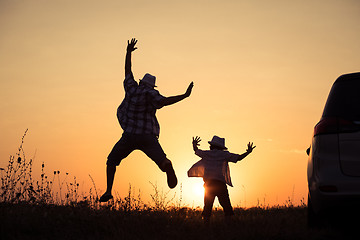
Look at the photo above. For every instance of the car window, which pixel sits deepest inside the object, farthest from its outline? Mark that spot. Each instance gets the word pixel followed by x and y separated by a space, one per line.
pixel 344 100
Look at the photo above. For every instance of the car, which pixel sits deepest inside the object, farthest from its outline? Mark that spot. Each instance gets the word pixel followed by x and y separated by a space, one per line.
pixel 333 170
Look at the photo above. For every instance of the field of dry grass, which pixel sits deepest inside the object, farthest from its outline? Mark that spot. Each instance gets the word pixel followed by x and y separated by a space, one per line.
pixel 51 207
pixel 33 221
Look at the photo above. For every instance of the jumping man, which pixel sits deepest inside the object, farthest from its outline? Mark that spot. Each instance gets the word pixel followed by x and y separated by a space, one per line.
pixel 137 117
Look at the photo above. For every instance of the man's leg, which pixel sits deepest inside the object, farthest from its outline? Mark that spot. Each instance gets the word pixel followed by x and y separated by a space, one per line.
pixel 151 147
pixel 110 174
pixel 167 167
pixel 121 150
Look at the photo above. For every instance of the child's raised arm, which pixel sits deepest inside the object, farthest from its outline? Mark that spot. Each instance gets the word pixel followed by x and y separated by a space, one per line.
pixel 248 151
pixel 195 142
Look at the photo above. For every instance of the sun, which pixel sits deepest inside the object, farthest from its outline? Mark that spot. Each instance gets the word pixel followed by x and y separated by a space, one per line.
pixel 198 189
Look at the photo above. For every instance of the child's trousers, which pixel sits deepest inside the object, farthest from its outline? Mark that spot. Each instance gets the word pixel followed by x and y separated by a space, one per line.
pixel 216 188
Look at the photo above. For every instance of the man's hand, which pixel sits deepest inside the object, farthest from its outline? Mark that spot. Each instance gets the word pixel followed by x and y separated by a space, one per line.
pixel 130 48
pixel 189 89
pixel 131 45
pixel 250 147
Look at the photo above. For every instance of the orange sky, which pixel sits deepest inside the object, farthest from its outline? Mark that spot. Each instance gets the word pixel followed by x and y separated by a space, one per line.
pixel 262 71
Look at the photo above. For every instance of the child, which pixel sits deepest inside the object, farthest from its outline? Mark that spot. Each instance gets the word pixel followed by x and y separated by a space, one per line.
pixel 214 169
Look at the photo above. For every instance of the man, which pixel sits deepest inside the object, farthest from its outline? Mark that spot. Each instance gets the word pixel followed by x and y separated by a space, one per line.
pixel 136 115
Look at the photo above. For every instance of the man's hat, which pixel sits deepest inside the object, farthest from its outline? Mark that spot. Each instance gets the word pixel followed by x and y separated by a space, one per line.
pixel 149 80
pixel 218 142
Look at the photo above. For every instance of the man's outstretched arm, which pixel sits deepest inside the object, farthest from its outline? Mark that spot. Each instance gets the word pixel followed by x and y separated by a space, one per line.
pixel 130 48
pixel 174 99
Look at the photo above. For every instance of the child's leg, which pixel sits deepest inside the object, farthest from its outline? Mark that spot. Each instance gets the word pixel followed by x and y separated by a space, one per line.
pixel 209 198
pixel 224 201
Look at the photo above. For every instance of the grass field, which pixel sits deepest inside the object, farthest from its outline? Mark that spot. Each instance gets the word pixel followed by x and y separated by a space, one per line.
pixel 51 207
pixel 29 221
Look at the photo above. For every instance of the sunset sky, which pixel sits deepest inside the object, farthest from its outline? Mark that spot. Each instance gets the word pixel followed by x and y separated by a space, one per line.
pixel 261 69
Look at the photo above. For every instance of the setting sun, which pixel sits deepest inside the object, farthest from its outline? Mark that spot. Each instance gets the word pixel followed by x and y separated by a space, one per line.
pixel 198 189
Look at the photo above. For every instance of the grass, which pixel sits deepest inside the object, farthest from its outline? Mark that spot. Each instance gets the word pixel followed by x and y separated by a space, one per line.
pixel 53 208
pixel 30 221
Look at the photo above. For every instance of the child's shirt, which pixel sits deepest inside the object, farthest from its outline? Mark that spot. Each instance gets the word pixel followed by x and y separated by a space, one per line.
pixel 213 165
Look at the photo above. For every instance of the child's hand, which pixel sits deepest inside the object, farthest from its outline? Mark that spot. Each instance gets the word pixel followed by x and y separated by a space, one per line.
pixel 250 147
pixel 195 142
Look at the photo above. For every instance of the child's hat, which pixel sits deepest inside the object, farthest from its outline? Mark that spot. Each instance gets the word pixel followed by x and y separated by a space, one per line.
pixel 218 142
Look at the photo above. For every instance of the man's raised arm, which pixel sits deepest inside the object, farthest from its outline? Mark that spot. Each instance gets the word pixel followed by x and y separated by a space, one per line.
pixel 174 99
pixel 130 48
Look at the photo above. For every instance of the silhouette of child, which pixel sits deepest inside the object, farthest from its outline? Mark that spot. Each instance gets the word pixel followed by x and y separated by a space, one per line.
pixel 214 169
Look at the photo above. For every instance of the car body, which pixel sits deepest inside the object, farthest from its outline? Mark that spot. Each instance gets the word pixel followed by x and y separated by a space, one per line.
pixel 333 170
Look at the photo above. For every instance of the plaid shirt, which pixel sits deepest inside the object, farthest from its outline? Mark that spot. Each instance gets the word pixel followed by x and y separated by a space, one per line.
pixel 136 113
pixel 213 165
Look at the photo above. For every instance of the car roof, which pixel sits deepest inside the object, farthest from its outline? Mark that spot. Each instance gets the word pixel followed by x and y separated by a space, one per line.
pixel 348 77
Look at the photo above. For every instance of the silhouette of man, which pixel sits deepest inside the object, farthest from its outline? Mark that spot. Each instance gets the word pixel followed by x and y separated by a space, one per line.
pixel 136 115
